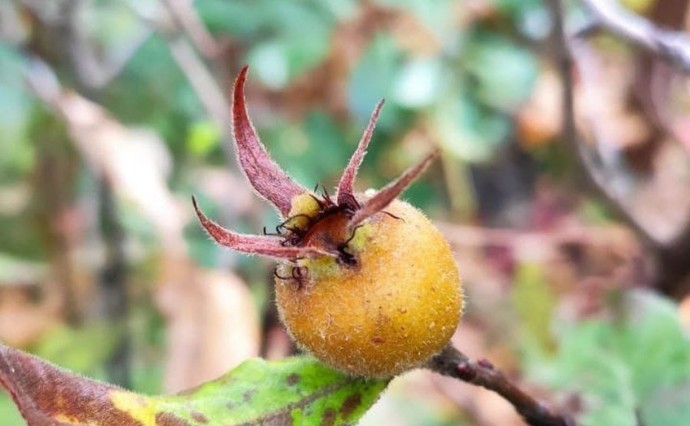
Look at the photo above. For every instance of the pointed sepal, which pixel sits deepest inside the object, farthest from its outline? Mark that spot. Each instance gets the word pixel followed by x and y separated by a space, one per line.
pixel 347 180
pixel 254 244
pixel 269 180
pixel 391 191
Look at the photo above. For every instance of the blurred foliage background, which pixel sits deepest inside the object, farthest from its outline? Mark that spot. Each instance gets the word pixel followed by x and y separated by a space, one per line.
pixel 113 113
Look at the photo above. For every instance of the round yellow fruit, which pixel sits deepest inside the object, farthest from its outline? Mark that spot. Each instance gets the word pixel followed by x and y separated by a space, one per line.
pixel 389 309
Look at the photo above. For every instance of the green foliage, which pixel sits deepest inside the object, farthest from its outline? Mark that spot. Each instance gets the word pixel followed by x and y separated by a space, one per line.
pixel 292 391
pixel 494 77
pixel 373 77
pixel 470 131
pixel 504 72
pixel 534 302
pixel 203 137
pixel 630 369
pixel 8 412
pixel 312 151
pixel 289 37
pixel 73 348
pixel 297 390
pixel 15 109
pixel 418 83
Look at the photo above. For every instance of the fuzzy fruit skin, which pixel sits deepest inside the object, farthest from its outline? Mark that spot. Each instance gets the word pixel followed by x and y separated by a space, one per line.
pixel 392 311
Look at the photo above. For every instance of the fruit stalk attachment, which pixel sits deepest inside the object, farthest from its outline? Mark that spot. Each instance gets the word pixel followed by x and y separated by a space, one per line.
pixel 453 363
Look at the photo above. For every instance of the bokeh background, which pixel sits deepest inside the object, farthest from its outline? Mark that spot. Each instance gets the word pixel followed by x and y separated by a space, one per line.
pixel 113 113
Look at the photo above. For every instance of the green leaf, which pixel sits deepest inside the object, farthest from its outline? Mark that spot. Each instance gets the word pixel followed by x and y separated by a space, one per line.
pixel 297 390
pixel 374 75
pixel 531 17
pixel 15 109
pixel 8 411
pixel 534 302
pixel 73 348
pixel 270 63
pixel 300 389
pixel 631 369
pixel 505 72
pixel 311 150
pixel 468 131
pixel 516 6
pixel 203 137
pixel 418 84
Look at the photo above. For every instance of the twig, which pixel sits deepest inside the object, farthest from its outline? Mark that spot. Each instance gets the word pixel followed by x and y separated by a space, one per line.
pixel 93 71
pixel 589 165
pixel 182 11
pixel 671 46
pixel 202 81
pixel 476 236
pixel 453 363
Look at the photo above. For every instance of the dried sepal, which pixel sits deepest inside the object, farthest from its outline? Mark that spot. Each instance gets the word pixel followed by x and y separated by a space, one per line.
pixel 391 191
pixel 263 173
pixel 254 244
pixel 345 186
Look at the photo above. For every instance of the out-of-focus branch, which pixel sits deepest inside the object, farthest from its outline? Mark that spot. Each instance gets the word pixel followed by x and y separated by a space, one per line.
pixel 453 363
pixel 671 253
pixel 203 82
pixel 93 71
pixel 654 79
pixel 476 236
pixel 182 11
pixel 671 46
pixel 589 165
pixel 184 31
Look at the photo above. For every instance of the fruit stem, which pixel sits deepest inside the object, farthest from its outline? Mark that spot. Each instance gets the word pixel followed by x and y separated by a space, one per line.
pixel 453 363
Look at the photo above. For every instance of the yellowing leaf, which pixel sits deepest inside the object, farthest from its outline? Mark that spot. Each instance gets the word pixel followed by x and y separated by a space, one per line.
pixel 297 390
